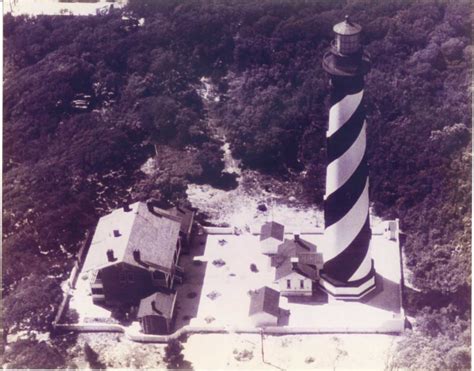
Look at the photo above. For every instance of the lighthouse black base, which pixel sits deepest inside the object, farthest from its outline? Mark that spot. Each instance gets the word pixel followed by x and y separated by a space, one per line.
pixel 354 290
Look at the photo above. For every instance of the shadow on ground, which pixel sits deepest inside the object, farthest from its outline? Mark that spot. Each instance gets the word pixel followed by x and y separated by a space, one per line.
pixel 319 297
pixel 189 292
pixel 385 296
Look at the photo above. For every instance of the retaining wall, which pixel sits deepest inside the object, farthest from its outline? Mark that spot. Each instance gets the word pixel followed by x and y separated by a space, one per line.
pixel 394 326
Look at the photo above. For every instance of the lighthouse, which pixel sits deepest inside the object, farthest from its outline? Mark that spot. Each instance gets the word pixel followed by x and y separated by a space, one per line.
pixel 348 271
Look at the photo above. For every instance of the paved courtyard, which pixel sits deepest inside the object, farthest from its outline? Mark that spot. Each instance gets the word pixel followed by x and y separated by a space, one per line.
pixel 220 277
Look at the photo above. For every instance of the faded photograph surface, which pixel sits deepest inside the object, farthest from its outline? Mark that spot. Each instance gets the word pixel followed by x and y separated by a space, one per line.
pixel 237 184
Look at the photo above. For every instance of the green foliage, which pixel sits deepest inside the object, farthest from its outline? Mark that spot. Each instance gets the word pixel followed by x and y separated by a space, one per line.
pixel 440 342
pixel 33 354
pixel 174 358
pixel 32 304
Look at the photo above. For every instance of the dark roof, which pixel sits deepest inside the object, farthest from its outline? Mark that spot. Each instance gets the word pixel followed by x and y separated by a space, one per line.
pixel 272 229
pixel 292 247
pixel 157 304
pixel 154 234
pixel 186 215
pixel 265 300
pixel 287 267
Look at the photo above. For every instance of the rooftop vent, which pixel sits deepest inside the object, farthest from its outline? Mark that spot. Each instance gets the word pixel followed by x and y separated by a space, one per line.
pixel 127 208
pixel 136 255
pixel 294 261
pixel 150 204
pixel 117 233
pixel 110 255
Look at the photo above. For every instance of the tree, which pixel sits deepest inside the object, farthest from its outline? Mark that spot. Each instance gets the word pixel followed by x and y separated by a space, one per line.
pixel 33 354
pixel 174 357
pixel 32 304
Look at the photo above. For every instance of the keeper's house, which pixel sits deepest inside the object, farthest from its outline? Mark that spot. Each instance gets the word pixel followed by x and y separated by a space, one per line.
pixel 134 254
pixel 297 266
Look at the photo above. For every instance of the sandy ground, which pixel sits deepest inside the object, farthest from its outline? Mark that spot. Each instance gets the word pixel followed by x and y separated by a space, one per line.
pixel 115 351
pixel 54 7
pixel 356 352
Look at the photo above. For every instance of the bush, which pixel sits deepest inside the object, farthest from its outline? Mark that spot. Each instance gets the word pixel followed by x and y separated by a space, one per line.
pixel 218 263
pixel 173 356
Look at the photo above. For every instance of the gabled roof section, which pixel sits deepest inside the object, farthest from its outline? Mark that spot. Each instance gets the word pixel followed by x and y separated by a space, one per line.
pixel 157 304
pixel 186 215
pixel 292 247
pixel 272 230
pixel 153 233
pixel 265 300
pixel 287 267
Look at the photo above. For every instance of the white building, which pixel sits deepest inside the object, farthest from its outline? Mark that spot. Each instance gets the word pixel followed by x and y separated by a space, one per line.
pixel 271 236
pixel 264 307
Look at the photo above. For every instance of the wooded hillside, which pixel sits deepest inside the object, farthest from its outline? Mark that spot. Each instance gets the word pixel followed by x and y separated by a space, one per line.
pixel 86 98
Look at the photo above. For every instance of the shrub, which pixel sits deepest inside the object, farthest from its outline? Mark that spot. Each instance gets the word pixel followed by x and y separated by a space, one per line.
pixel 218 263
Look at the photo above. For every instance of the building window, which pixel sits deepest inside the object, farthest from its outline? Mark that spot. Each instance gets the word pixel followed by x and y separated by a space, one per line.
pixel 288 284
pixel 122 278
pixel 158 275
pixel 301 284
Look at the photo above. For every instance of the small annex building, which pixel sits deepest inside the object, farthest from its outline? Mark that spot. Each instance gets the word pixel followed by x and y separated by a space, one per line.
pixel 264 307
pixel 297 266
pixel 134 253
pixel 155 313
pixel 271 235
pixel 187 222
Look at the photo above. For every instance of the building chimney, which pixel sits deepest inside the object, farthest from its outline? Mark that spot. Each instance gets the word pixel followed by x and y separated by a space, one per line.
pixel 127 208
pixel 154 309
pixel 117 233
pixel 149 205
pixel 136 255
pixel 296 236
pixel 110 255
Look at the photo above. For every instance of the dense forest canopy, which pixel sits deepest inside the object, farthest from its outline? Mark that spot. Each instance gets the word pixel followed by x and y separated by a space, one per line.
pixel 88 99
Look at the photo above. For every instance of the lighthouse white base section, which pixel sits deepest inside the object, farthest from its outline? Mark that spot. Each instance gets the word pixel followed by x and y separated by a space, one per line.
pixel 348 293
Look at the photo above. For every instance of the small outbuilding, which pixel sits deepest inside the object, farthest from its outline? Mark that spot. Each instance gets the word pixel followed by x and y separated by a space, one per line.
pixel 295 278
pixel 264 307
pixel 155 313
pixel 297 264
pixel 187 222
pixel 271 235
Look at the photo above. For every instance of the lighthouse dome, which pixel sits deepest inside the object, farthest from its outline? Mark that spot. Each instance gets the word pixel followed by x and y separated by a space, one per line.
pixel 347 36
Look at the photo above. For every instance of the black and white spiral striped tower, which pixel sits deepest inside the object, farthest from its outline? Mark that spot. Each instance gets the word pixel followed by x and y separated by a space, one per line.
pixel 348 271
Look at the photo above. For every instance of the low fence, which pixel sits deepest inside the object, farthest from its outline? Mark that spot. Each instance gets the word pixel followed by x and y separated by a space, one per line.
pixel 395 326
pixel 256 231
pixel 71 283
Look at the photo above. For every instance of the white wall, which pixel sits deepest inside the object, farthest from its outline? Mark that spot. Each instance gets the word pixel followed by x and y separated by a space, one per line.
pixel 264 319
pixel 270 245
pixel 295 289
